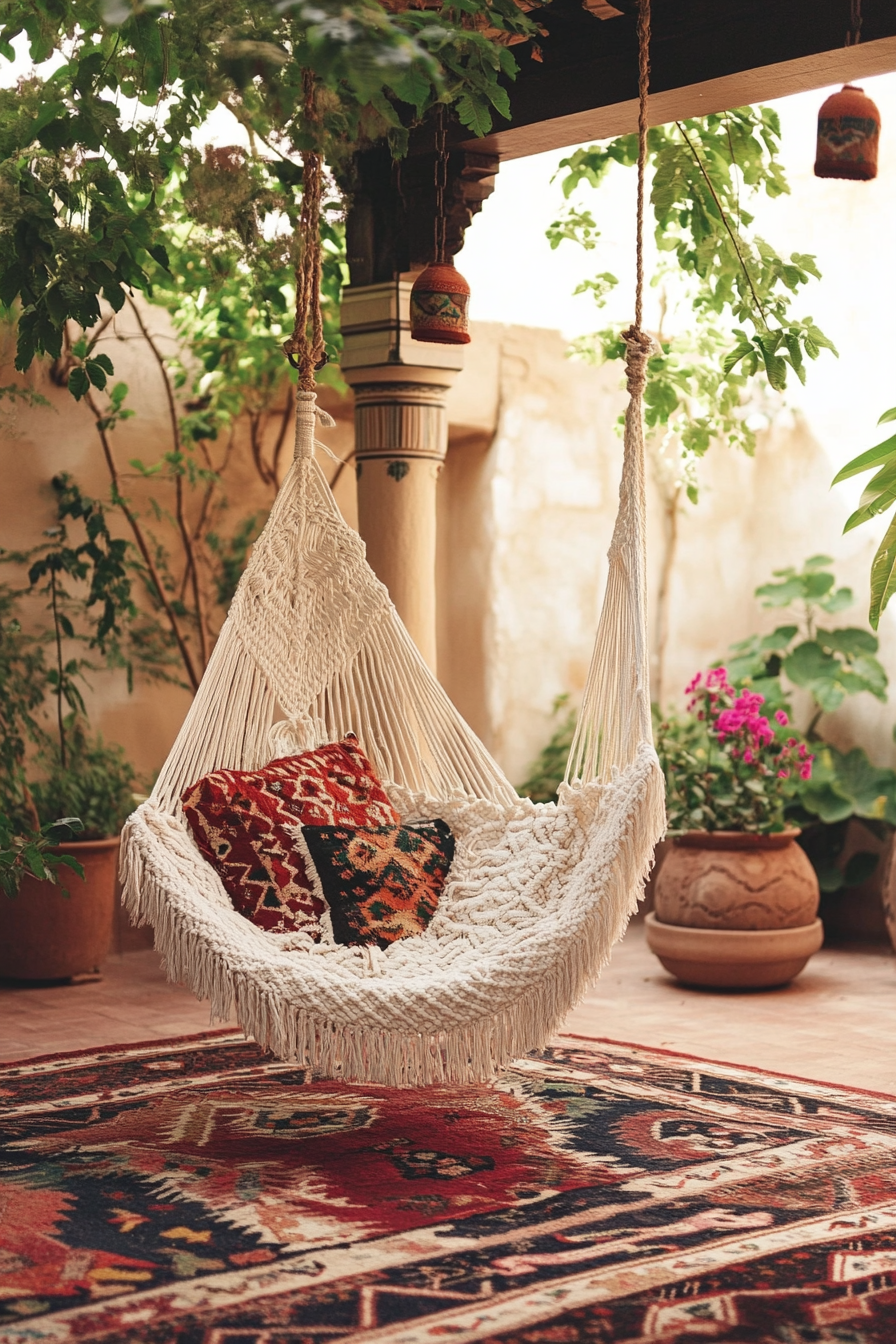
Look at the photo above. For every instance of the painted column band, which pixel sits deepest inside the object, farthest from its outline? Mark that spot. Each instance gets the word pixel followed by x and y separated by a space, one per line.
pixel 401 419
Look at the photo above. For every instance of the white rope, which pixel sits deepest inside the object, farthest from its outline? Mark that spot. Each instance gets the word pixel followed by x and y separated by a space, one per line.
pixel 537 894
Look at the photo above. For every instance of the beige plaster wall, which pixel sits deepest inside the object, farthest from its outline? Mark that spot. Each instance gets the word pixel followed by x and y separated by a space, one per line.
pixel 526 521
pixel 527 500
pixel 36 442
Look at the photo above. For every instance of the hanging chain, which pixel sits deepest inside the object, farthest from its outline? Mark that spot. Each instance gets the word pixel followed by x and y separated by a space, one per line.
pixel 305 348
pixel 441 182
pixel 854 36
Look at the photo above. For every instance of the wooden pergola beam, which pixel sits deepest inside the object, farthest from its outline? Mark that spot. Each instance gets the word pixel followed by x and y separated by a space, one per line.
pixel 706 56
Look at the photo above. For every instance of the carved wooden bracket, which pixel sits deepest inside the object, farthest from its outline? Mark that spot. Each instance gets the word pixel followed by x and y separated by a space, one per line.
pixel 391 218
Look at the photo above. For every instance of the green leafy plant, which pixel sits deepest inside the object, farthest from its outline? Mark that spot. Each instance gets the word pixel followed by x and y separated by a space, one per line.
pixel 878 496
pixel 31 853
pixel 830 664
pixel 737 339
pixel 86 585
pixel 729 767
pixel 549 766
pixel 89 148
pixel 95 782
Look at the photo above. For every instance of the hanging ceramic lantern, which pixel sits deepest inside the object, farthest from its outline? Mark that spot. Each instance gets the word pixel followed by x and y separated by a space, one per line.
pixel 439 301
pixel 848 134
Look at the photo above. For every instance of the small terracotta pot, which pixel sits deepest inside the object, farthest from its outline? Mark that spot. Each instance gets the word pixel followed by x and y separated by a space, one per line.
pixel 714 884
pixel 440 298
pixel 45 935
pixel 848 136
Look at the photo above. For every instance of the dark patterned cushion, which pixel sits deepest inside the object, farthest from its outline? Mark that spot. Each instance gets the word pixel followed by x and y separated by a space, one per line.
pixel 245 823
pixel 381 883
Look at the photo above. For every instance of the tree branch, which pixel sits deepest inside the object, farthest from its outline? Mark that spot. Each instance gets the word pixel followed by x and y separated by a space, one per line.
pixel 724 218
pixel 186 539
pixel 142 545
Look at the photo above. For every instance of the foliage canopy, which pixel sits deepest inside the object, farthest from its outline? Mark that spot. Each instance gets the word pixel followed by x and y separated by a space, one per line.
pixel 92 142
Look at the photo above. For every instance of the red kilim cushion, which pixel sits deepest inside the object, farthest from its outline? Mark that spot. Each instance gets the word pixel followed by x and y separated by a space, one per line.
pixel 244 822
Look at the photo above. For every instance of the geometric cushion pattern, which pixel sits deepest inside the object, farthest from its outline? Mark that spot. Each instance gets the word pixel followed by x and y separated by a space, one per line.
pixel 381 883
pixel 245 822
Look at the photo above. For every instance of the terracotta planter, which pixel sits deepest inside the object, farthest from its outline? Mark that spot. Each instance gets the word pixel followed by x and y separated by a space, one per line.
pixel 735 910
pixel 47 936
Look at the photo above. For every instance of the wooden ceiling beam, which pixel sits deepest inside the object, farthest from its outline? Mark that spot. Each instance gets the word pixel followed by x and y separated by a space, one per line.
pixel 707 55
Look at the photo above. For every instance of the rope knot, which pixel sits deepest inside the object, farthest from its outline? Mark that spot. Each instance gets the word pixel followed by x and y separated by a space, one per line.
pixel 639 347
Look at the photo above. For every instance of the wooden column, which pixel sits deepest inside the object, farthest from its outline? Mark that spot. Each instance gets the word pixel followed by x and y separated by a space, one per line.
pixel 401 436
pixel 401 425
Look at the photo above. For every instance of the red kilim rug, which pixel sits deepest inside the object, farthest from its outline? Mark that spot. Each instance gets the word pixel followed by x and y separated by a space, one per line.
pixel 194 1191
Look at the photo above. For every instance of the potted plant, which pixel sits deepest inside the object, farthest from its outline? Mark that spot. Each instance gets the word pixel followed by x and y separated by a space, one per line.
pixel 847 809
pixel 51 766
pixel 736 898
pixel 44 931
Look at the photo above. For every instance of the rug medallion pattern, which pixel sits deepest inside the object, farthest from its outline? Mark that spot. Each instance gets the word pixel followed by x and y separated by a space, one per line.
pixel 196 1192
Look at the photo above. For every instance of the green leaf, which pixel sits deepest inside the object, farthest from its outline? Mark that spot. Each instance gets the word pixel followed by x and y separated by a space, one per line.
pixel 830 877
pixel 809 664
pixel 816 585
pixel 850 641
pixel 78 383
pixel 474 115
pixel 33 861
pixel 781 594
pixel 837 601
pixel 96 373
pixel 882 452
pixel 817 562
pixel 878 495
pixel 69 861
pixel 883 575
pixel 860 867
pixel 825 801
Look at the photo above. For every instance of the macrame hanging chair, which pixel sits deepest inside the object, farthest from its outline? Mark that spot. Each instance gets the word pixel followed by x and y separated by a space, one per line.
pixel 312 649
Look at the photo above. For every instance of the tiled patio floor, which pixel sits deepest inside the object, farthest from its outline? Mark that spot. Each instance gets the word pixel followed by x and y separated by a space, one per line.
pixel 836 1023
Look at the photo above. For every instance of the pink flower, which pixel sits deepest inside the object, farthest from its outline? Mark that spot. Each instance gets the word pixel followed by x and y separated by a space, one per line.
pixel 806 768
pixel 748 757
pixel 693 684
pixel 803 752
pixel 783 774
pixel 791 741
pixel 782 718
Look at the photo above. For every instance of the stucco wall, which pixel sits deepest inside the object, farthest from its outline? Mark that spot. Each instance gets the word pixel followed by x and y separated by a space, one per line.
pixel 37 442
pixel 527 501
pixel 546 492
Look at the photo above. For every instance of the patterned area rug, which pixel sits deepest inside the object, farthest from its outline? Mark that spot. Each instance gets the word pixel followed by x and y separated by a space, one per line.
pixel 194 1191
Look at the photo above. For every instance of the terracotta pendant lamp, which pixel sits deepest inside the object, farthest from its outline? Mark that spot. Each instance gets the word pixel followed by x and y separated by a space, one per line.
pixel 848 124
pixel 440 296
pixel 848 136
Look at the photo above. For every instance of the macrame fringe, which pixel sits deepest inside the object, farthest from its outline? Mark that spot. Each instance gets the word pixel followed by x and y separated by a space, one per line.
pixel 358 1051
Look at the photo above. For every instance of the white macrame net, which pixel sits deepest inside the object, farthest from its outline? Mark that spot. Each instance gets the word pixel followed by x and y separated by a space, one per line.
pixel 538 893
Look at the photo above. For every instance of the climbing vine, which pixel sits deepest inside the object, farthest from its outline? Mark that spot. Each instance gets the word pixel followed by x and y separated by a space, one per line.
pixel 740 335
pixel 92 142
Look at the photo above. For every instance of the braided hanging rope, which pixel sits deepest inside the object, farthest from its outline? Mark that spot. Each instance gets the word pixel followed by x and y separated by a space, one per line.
pixel 637 342
pixel 313 648
pixel 615 711
pixel 305 348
